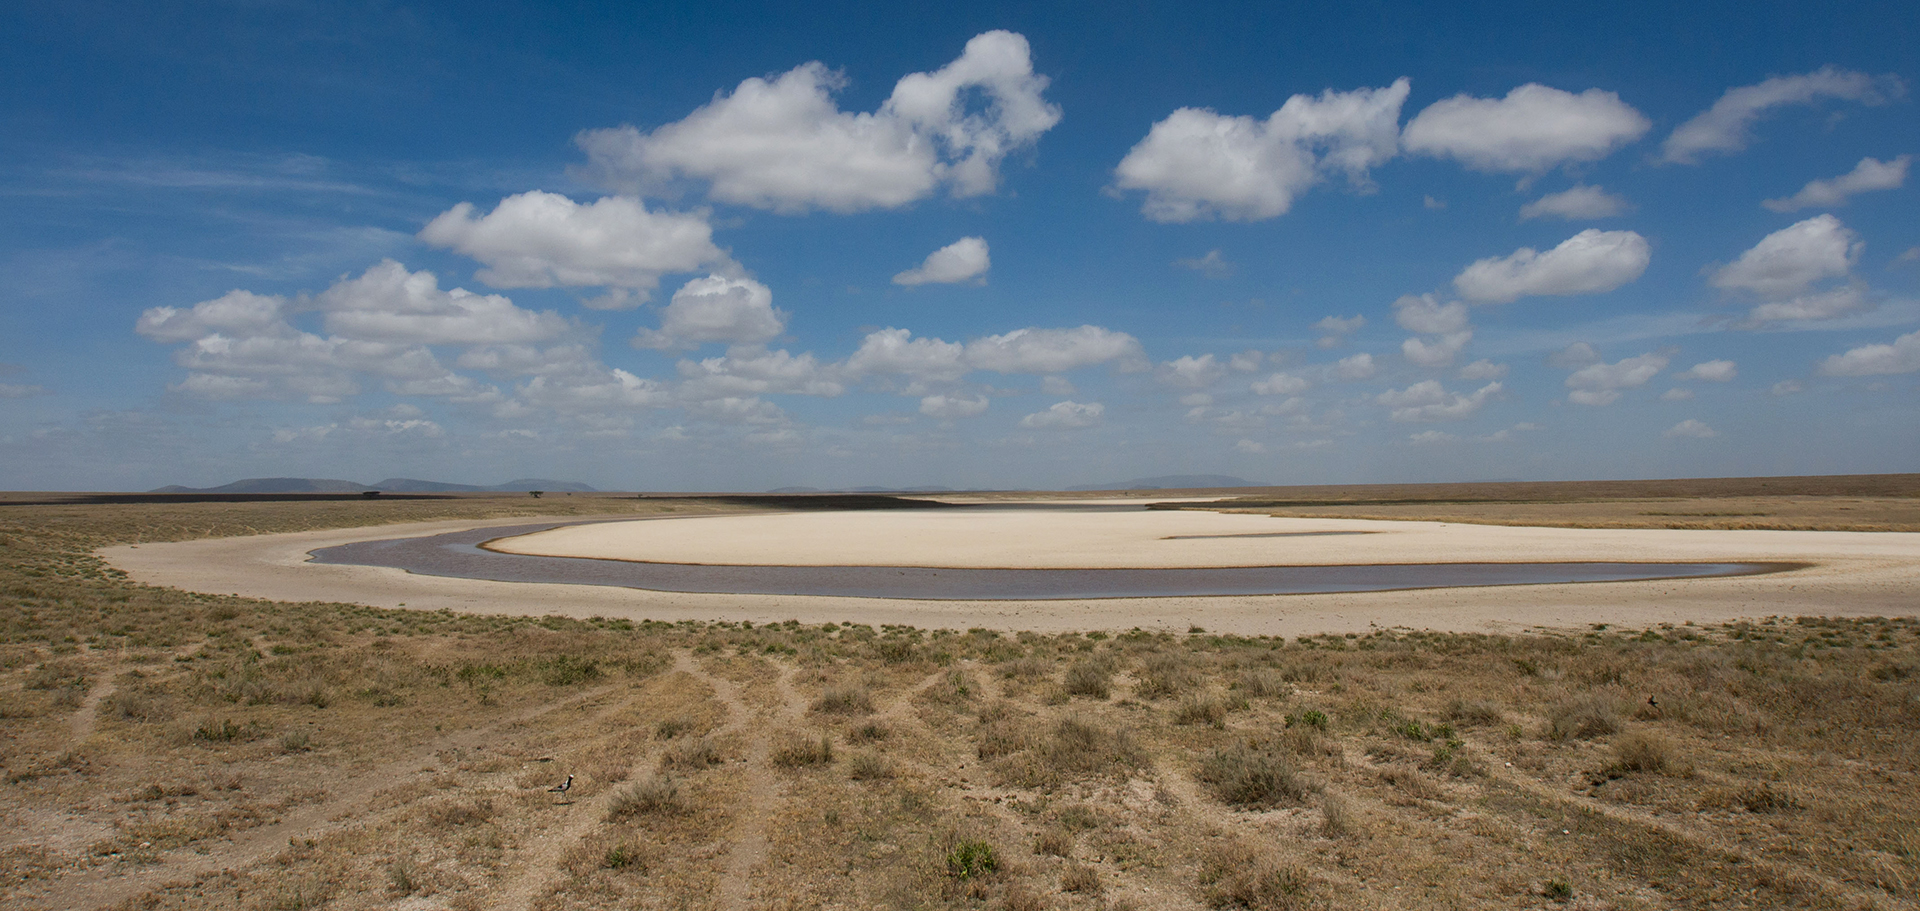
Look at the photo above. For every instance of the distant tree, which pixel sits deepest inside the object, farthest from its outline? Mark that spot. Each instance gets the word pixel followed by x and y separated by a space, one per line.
pixel 535 493
pixel 369 494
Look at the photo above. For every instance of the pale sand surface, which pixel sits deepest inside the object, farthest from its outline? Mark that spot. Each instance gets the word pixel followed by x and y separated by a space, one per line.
pixel 1039 538
pixel 1852 573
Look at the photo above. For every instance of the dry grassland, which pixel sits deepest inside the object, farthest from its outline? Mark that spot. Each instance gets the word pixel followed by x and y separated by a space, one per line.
pixel 1840 503
pixel 164 749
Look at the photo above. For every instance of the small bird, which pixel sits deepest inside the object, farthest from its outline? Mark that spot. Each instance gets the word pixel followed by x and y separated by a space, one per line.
pixel 1651 702
pixel 563 787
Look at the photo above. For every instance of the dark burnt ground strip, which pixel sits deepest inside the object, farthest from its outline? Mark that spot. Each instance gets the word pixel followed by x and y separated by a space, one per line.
pixel 459 555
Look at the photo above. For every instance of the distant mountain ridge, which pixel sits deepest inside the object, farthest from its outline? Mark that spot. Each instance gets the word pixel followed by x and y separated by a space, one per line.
pixel 1173 482
pixel 396 485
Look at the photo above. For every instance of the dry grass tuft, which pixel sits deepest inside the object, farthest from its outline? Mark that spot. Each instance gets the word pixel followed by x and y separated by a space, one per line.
pixel 1081 879
pixel 1202 709
pixel 1076 747
pixel 1089 678
pixel 1251 777
pixel 1263 684
pixel 798 750
pixel 1641 751
pixel 691 756
pixel 1475 712
pixel 1053 842
pixel 868 766
pixel 653 796
pixel 844 700
pixel 1165 674
pixel 1583 717
pixel 1238 877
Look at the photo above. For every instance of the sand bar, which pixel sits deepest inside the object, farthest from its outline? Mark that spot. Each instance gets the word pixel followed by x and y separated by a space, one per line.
pixel 1849 573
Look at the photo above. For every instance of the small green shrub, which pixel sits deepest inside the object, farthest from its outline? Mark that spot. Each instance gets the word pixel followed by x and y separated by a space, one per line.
pixel 970 858
pixel 1312 718
pixel 624 857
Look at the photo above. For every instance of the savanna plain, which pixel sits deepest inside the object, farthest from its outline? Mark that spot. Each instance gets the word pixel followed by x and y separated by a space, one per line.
pixel 172 749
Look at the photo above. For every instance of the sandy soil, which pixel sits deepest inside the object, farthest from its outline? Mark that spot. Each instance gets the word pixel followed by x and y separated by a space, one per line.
pixel 1850 573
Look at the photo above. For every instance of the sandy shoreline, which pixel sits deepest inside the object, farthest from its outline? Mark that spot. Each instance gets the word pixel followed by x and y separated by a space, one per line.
pixel 1849 573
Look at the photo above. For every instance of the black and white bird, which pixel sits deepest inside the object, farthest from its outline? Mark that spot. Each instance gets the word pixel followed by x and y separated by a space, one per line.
pixel 563 787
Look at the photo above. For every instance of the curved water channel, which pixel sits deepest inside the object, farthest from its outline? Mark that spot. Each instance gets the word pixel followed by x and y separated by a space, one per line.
pixel 460 555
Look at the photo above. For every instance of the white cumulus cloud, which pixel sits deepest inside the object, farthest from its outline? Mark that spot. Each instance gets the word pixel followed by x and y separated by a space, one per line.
pixel 1692 429
pixel 752 371
pixel 1198 164
pixel 1600 384
pixel 1192 372
pixel 1533 129
pixel 1727 126
pixel 1424 314
pixel 737 311
pixel 1357 367
pixel 234 313
pixel 1429 401
pixel 379 324
pixel 1869 175
pixel 1580 202
pixel 1590 262
pixel 1903 356
pixel 1483 370
pixel 389 303
pixel 896 352
pixel 1052 350
pixel 1711 371
pixel 963 260
pixel 1212 265
pixel 782 143
pixel 1065 415
pixel 1338 328
pixel 540 240
pixel 1280 384
pixel 948 407
pixel 1789 261
pixel 1435 351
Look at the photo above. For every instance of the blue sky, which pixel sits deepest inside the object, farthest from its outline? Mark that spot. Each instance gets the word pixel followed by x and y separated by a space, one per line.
pixel 741 247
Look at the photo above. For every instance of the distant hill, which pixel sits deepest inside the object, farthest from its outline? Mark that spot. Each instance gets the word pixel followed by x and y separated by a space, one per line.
pixel 1173 482
pixel 396 485
pixel 413 485
pixel 273 485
